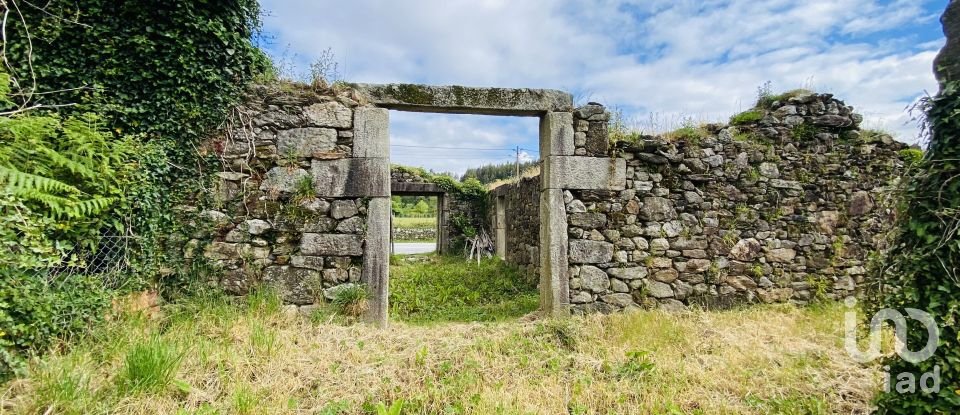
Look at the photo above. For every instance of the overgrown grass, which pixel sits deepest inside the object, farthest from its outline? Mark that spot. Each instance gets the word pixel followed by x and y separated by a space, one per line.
pixel 445 288
pixel 689 131
pixel 767 359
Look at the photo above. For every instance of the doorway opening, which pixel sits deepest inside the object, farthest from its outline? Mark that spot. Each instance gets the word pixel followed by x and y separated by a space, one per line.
pixel 415 224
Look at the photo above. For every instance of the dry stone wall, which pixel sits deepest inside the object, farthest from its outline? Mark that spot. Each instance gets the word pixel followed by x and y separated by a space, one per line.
pixel 520 202
pixel 279 213
pixel 787 208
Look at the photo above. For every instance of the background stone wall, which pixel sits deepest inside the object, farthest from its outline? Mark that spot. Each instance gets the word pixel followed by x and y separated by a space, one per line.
pixel 521 205
pixel 264 221
pixel 786 208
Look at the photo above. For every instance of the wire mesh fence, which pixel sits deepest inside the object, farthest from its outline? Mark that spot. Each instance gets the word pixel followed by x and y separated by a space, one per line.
pixel 110 260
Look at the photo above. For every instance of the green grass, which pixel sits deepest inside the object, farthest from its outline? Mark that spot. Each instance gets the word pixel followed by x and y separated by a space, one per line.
pixel 414 223
pixel 746 117
pixel 446 288
pixel 149 367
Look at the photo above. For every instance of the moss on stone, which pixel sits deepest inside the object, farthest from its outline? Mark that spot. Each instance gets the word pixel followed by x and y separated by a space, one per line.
pixel 414 94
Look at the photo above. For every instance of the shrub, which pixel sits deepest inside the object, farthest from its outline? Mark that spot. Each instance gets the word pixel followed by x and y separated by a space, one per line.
pixel 919 271
pixel 746 117
pixel 35 312
pixel 911 156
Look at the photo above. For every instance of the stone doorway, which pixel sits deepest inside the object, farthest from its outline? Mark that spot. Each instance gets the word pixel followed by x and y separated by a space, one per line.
pixel 560 166
pixel 429 190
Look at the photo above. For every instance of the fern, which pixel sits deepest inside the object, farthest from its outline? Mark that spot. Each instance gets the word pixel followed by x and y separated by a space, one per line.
pixel 59 180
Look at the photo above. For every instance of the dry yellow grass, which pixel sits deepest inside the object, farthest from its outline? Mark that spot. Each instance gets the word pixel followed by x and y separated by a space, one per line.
pixel 258 359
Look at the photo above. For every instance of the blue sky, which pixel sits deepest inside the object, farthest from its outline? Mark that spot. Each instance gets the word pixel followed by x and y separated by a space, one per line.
pixel 658 61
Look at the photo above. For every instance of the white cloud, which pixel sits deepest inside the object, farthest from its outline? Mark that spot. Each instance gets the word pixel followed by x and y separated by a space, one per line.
pixel 702 58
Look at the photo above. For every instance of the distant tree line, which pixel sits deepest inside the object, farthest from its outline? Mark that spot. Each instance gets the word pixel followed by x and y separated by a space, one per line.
pixel 493 172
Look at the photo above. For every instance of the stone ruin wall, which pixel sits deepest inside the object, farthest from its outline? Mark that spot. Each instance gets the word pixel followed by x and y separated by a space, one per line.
pixel 278 215
pixel 521 204
pixel 747 214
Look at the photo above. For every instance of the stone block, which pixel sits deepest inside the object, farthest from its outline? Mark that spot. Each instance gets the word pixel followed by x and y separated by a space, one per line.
pixel 303 142
pixel 282 180
pixel 594 279
pixel 556 134
pixel 657 209
pixel 309 262
pixel 584 173
pixel 554 280
pixel 353 177
pixel 343 209
pixel 620 300
pixel 371 133
pixel 658 289
pixel 329 244
pixel 584 251
pixel 631 273
pixel 376 259
pixel 328 114
pixel 296 285
pixel 598 139
pixel 466 100
pixel 588 220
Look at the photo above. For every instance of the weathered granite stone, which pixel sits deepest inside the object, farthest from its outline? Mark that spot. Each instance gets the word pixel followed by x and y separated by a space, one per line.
pixel 296 285
pixel 658 289
pixel 666 275
pixel 328 114
pixel 331 244
pixel 620 300
pixel 770 170
pixel 631 273
pixel 309 262
pixel 657 209
pixel 591 220
pixel 590 252
pixel 257 226
pixel 315 205
pixel 283 180
pixel 459 99
pixel 781 255
pixel 372 137
pixel 351 225
pixel 556 134
pixel 343 209
pixel 593 279
pixel 746 250
pixel 740 282
pixel 575 172
pixel 304 142
pixel 861 203
pixel 576 206
pixel 353 177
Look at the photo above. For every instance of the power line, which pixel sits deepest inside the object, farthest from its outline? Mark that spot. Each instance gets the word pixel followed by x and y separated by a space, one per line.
pixel 464 148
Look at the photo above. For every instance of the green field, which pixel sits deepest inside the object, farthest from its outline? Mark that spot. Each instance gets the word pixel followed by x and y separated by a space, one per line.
pixel 414 223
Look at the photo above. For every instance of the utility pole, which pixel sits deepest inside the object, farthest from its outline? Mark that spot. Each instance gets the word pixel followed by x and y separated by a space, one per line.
pixel 518 162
